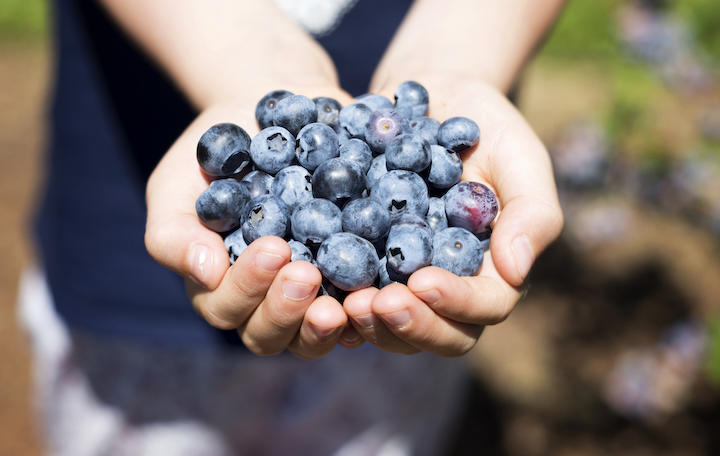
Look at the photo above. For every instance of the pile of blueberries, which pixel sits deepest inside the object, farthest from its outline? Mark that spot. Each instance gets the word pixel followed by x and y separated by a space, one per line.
pixel 369 192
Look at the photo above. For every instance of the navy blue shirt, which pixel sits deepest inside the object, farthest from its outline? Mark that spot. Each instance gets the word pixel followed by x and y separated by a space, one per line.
pixel 113 115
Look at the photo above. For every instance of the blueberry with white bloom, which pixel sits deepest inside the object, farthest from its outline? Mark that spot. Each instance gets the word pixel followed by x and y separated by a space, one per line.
pixel 348 261
pixel 265 108
pixel 220 205
pixel 273 149
pixel 358 152
pixel 411 94
pixel 458 133
pixel 446 168
pixel 293 185
pixel 316 144
pixel 457 250
pixel 294 112
pixel 265 216
pixel 224 150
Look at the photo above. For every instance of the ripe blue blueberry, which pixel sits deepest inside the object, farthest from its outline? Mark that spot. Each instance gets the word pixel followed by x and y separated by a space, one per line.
pixel 266 107
pixel 436 217
pixel 258 183
pixel 367 218
pixel 401 192
pixel 220 205
pixel 374 102
pixel 354 119
pixel 293 185
pixel 358 152
pixel 316 144
pixel 446 168
pixel 294 112
pixel 386 275
pixel 314 220
pixel 338 180
pixel 235 245
pixel 378 168
pixel 411 94
pixel 471 205
pixel 409 245
pixel 272 149
pixel 409 152
pixel 342 134
pixel 348 261
pixel 328 110
pixel 425 127
pixel 223 150
pixel 458 133
pixel 265 216
pixel 300 252
pixel 457 250
pixel 384 126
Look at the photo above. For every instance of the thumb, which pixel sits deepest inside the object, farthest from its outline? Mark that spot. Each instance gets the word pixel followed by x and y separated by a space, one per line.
pixel 183 244
pixel 524 228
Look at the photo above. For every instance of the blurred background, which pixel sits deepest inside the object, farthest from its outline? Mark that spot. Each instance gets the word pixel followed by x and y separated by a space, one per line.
pixel 616 349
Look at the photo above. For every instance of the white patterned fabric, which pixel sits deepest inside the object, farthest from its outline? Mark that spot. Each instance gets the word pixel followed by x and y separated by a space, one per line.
pixel 100 397
pixel 318 17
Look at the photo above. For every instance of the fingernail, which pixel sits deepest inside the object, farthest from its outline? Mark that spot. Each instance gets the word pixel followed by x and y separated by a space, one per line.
pixel 397 319
pixel 367 321
pixel 523 253
pixel 200 257
pixel 269 262
pixel 430 296
pixel 297 291
pixel 322 333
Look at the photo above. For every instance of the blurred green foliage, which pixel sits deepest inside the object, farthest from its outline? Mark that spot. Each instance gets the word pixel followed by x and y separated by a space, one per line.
pixel 23 19
pixel 713 356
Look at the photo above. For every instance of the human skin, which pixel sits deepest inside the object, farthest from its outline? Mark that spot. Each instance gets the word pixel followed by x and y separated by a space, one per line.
pixel 270 301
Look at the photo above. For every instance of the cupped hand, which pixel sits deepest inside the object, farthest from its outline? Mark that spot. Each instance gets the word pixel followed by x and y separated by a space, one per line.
pixel 438 311
pixel 271 302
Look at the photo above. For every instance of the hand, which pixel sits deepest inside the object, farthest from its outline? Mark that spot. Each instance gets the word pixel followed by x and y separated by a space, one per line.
pixel 270 301
pixel 445 314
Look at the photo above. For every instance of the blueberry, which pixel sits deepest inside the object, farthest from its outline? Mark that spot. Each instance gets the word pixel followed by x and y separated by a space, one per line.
pixel 436 217
pixel 409 152
pixel 412 95
pixel 374 102
pixel 358 152
pixel 354 119
pixel 457 250
pixel 316 144
pixel 348 261
pixel 328 289
pixel 300 252
pixel 409 245
pixel 425 127
pixel 293 185
pixel 258 183
pixel 294 112
pixel 328 110
pixel 384 126
pixel 273 149
pixel 471 205
pixel 367 218
pixel 386 275
pixel 458 133
pixel 266 107
pixel 314 220
pixel 343 135
pixel 378 168
pixel 235 245
pixel 265 216
pixel 223 150
pixel 220 206
pixel 338 180
pixel 401 192
pixel 446 168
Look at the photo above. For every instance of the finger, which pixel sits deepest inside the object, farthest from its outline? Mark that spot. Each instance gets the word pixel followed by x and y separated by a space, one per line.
pixel 275 322
pixel 174 235
pixel 482 300
pixel 520 171
pixel 359 307
pixel 350 338
pixel 321 329
pixel 243 286
pixel 413 322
